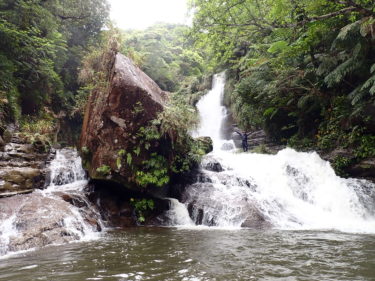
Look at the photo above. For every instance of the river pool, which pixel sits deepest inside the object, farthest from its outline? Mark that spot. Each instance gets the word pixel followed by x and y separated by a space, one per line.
pixel 201 254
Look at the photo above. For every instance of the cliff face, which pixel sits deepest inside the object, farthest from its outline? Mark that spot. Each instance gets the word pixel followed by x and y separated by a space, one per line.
pixel 114 116
pixel 22 166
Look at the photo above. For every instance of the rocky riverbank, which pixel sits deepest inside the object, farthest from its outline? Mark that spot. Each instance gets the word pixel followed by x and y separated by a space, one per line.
pixel 342 160
pixel 23 166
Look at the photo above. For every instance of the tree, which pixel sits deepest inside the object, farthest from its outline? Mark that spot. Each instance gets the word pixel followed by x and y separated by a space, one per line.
pixel 164 53
pixel 42 44
pixel 297 68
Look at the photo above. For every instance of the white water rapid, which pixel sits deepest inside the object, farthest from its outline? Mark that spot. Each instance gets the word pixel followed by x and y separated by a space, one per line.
pixel 58 214
pixel 290 190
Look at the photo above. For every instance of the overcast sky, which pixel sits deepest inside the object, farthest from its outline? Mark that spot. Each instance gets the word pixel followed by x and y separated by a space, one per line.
pixel 139 14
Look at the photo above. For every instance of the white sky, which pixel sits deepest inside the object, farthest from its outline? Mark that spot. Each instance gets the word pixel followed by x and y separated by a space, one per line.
pixel 139 14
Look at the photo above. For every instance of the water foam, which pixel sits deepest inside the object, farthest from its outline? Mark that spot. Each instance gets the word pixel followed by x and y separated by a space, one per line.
pixel 67 178
pixel 291 190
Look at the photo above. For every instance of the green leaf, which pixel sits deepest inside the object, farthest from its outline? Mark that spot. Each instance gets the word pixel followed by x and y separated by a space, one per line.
pixel 129 159
pixel 278 47
pixel 137 151
pixel 118 163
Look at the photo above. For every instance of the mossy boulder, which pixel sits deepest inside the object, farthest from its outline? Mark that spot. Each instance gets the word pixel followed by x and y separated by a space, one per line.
pixel 205 144
pixel 115 118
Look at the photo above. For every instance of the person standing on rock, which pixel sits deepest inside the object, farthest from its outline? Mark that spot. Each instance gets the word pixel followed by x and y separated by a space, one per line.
pixel 244 136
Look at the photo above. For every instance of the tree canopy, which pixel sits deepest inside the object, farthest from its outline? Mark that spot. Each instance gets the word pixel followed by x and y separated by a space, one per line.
pixel 302 70
pixel 166 54
pixel 41 46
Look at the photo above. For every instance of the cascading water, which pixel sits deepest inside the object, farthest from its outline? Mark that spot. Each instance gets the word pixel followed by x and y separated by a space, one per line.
pixel 211 119
pixel 58 214
pixel 290 190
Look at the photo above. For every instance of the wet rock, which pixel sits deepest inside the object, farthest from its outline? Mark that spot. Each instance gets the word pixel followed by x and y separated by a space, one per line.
pixel 113 204
pixel 232 205
pixel 21 167
pixel 7 135
pixel 2 143
pixel 338 152
pixel 213 166
pixel 258 142
pixel 74 199
pixel 248 183
pixel 38 220
pixel 205 143
pixel 203 178
pixel 195 213
pixel 116 210
pixel 363 169
pixel 256 220
pixel 9 194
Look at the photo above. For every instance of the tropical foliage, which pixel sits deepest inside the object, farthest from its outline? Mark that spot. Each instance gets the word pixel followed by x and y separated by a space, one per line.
pixel 302 70
pixel 41 48
pixel 166 54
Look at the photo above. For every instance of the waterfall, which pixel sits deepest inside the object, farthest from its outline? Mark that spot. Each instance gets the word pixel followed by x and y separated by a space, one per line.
pixel 290 190
pixel 58 214
pixel 213 114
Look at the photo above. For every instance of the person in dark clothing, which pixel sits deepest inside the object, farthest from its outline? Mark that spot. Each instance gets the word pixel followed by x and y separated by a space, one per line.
pixel 244 136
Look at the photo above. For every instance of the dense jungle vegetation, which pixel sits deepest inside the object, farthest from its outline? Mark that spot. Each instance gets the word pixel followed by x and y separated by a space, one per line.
pixel 304 71
pixel 42 44
pixel 166 54
pixel 48 52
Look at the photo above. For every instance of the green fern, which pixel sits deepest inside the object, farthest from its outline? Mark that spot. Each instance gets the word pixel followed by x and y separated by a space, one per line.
pixel 339 74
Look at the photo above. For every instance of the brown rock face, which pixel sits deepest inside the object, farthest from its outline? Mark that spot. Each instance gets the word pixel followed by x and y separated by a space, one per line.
pixel 114 116
pixel 364 169
pixel 22 168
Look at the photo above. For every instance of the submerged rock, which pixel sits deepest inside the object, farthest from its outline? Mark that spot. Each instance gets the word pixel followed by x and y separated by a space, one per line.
pixel 213 166
pixel 255 219
pixel 227 146
pixel 209 163
pixel 36 220
pixel 223 204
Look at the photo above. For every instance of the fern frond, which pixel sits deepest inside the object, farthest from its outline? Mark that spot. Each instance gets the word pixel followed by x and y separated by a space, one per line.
pixel 337 75
pixel 326 65
pixel 368 27
pixel 356 95
pixel 346 31
pixel 370 83
pixel 304 101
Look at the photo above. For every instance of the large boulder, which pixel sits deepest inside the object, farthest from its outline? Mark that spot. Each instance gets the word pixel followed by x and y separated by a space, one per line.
pixel 114 118
pixel 212 164
pixel 37 220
